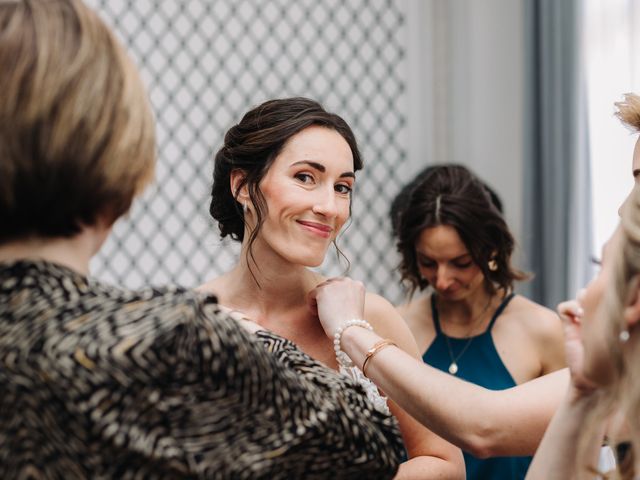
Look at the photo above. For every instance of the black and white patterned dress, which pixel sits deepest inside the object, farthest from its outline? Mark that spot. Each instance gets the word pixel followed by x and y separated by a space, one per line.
pixel 97 382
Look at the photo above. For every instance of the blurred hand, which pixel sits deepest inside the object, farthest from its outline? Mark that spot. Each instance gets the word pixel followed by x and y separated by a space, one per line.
pixel 570 313
pixel 336 301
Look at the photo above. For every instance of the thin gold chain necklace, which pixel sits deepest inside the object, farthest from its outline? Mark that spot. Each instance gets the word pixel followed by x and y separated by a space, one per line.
pixel 453 366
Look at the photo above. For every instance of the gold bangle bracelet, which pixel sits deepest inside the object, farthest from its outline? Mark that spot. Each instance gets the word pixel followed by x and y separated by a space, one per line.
pixel 373 350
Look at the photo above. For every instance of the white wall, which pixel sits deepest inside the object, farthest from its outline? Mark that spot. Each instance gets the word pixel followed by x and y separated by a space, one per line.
pixel 466 85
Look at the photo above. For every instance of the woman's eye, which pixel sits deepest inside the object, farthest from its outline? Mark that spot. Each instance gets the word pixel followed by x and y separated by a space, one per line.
pixel 463 264
pixel 344 189
pixel 304 177
pixel 427 264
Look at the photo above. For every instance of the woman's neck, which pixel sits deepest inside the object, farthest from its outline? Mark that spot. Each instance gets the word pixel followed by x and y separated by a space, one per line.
pixel 73 252
pixel 273 292
pixel 470 310
pixel 265 290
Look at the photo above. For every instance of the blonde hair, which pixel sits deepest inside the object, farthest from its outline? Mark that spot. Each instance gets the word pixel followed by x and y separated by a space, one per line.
pixel 626 387
pixel 77 136
pixel 628 111
pixel 623 393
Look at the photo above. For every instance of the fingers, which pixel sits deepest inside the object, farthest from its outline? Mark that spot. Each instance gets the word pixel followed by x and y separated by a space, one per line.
pixel 312 302
pixel 313 294
pixel 337 300
pixel 333 285
pixel 570 310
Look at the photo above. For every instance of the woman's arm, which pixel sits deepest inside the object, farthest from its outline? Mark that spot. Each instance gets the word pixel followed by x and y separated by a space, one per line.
pixel 556 457
pixel 484 422
pixel 429 455
pixel 481 421
pixel 549 338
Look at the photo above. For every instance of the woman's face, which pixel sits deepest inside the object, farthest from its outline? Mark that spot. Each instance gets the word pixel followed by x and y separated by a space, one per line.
pixel 308 194
pixel 595 321
pixel 444 261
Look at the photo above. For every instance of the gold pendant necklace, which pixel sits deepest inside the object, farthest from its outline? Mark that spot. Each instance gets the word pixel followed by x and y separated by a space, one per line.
pixel 453 366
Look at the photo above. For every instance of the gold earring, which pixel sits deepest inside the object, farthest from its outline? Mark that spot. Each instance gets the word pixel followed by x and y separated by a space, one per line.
pixel 492 264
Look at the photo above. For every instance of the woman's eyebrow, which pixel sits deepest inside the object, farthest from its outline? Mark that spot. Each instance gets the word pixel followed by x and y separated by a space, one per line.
pixel 315 165
pixel 321 168
pixel 427 257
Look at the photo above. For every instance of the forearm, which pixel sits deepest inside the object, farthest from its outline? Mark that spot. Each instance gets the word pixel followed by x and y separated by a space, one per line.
pixel 556 456
pixel 428 400
pixel 420 468
pixel 481 421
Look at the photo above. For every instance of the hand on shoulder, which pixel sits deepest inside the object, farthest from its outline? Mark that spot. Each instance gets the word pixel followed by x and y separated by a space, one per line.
pixel 336 301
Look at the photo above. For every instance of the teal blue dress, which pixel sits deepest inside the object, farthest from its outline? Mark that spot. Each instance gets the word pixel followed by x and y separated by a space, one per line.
pixel 478 362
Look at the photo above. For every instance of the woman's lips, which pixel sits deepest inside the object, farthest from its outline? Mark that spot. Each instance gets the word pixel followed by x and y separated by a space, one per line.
pixel 319 229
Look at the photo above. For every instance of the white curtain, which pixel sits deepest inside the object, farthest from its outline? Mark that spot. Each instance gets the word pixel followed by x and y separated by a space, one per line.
pixel 556 196
pixel 611 40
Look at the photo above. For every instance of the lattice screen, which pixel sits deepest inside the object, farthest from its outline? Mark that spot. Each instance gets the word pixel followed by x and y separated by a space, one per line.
pixel 207 62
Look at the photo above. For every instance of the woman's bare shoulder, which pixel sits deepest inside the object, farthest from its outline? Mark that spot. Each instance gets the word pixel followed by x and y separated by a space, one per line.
pixel 540 324
pixel 416 306
pixel 377 306
pixel 532 314
pixel 217 286
pixel 387 322
pixel 417 315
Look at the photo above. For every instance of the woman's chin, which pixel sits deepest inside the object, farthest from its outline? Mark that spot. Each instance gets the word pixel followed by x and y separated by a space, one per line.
pixel 599 371
pixel 309 261
pixel 314 263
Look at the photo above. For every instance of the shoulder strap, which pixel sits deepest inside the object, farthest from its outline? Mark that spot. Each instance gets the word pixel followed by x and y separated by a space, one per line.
pixel 434 314
pixel 500 309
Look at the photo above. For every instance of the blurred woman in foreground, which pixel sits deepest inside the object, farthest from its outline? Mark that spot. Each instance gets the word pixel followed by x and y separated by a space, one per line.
pixel 98 382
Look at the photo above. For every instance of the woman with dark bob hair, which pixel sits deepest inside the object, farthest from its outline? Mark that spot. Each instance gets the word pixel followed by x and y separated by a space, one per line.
pixel 100 382
pixel 282 186
pixel 456 248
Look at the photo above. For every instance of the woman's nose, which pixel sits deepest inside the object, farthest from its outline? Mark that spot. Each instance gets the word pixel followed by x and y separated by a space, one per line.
pixel 443 279
pixel 325 203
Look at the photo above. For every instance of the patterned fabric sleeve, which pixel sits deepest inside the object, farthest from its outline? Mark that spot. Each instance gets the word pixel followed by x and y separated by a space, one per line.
pixel 289 355
pixel 279 417
pixel 98 382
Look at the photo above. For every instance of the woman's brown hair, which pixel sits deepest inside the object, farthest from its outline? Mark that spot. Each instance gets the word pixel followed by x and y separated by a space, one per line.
pixel 451 195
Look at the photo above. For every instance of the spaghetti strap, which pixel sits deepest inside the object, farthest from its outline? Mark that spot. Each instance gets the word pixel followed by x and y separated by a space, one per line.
pixel 499 310
pixel 434 315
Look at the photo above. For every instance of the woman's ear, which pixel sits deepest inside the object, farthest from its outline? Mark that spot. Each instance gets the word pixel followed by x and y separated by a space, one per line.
pixel 632 308
pixel 238 186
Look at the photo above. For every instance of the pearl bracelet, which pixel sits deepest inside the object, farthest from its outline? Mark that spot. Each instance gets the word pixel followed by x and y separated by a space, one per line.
pixel 342 358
